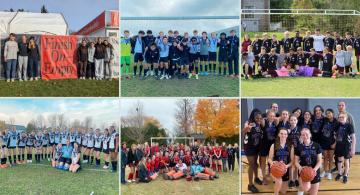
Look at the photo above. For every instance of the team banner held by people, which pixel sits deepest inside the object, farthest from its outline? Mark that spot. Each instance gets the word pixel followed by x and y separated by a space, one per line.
pixel 58 57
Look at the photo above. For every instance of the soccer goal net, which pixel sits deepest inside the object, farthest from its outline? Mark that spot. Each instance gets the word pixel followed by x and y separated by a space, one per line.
pixel 172 140
pixel 277 21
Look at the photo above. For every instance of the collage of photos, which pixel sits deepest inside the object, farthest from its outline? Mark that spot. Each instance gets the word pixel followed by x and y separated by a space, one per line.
pixel 205 97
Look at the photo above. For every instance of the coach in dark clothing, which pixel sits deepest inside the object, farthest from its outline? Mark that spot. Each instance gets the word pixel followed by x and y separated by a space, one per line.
pixel 83 55
pixel 99 57
pixel 233 44
pixel 124 161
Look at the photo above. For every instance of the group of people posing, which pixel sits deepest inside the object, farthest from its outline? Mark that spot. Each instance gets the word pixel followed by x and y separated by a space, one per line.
pixel 167 56
pixel 323 140
pixel 63 148
pixel 175 161
pixel 22 59
pixel 315 54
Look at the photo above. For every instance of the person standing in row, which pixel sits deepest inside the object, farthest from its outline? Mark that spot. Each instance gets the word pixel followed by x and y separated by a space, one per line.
pixel 83 56
pixel 23 59
pixel 99 56
pixel 34 58
pixel 10 56
pixel 91 62
pixel 108 60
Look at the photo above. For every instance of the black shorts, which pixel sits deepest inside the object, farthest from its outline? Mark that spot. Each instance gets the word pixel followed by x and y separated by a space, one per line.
pixel 193 57
pixel 65 160
pixel 212 56
pixel 325 145
pixel 11 147
pixel 152 60
pixel 342 69
pixel 21 146
pixel 97 149
pixel 223 58
pixel 257 58
pixel 106 151
pixel 89 148
pixel 357 53
pixel 265 148
pixel 29 146
pixel 286 176
pixel 184 61
pixel 138 57
pixel 342 150
pixel 45 145
pixel 164 59
pixel 112 150
pixel 3 146
pixel 204 58
pixel 175 62
pixel 51 144
pixel 251 150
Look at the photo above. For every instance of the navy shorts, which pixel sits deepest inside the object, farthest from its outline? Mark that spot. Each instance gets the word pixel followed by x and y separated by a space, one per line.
pixel 212 56
pixel 65 160
pixel 11 147
pixel 204 57
pixel 106 151
pixel 193 57
pixel 21 146
pixel 184 61
pixel 97 149
pixel 223 58
pixel 138 57
pixel 175 62
pixel 152 60
pixel 164 59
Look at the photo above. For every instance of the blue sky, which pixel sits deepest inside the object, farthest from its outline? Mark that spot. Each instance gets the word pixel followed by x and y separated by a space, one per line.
pixel 179 8
pixel 71 9
pixel 103 111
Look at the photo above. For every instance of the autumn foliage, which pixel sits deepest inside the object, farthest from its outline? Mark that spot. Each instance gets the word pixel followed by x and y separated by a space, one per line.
pixel 217 117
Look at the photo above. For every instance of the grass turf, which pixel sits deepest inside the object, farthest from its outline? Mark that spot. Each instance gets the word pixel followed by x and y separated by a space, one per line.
pixel 301 87
pixel 60 88
pixel 41 179
pixel 205 86
pixel 228 183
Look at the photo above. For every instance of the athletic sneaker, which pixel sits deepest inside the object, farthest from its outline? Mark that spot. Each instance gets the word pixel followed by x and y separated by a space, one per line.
pixel 197 77
pixel 258 181
pixel 291 184
pixel 253 189
pixel 297 183
pixel 338 177
pixel 334 170
pixel 329 176
pixel 162 77
pixel 345 179
pixel 105 167
pixel 190 76
pixel 323 174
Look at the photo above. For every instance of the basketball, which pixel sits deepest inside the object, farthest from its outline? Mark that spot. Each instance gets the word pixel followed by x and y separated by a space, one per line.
pixel 278 169
pixel 307 174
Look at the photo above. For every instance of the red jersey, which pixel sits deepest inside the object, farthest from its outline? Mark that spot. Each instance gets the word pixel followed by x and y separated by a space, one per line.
pixel 176 159
pixel 157 162
pixel 187 159
pixel 164 160
pixel 217 151
pixel 224 153
pixel 150 166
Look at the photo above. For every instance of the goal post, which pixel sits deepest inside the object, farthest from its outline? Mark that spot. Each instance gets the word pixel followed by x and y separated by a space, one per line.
pixel 172 139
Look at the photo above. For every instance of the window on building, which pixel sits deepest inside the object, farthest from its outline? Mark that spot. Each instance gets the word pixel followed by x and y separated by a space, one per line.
pixel 248 10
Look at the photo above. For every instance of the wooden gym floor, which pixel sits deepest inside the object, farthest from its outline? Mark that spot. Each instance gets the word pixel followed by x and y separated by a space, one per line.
pixel 327 187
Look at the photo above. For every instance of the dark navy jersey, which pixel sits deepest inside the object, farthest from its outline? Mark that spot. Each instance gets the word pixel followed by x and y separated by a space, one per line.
pixel 174 53
pixel 291 59
pixel 276 45
pixel 328 131
pixel 149 40
pixel 308 154
pixel 297 42
pixel 283 125
pixel 301 60
pixel 328 62
pixel 348 42
pixel 308 43
pixel 152 54
pixel 282 154
pixel 272 62
pixel 357 45
pixel 314 60
pixel 339 41
pixel 234 44
pixel 254 136
pixel 317 125
pixel 256 46
pixel 264 60
pixel 343 134
pixel 287 44
pixel 294 136
pixel 185 50
pixel 270 132
pixel 223 49
pixel 329 42
pixel 267 44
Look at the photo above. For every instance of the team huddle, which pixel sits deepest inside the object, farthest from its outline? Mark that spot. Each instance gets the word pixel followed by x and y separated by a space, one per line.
pixel 62 148
pixel 176 161
pixel 173 55
pixel 329 55
pixel 298 149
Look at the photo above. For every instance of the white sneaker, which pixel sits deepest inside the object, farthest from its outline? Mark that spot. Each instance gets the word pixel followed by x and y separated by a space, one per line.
pixel 197 77
pixel 329 176
pixel 167 77
pixel 133 180
pixel 162 77
pixel 20 80
pixel 7 80
pixel 322 174
pixel 12 80
pixel 31 79
pixel 36 78
pixel 105 167
pixel 152 73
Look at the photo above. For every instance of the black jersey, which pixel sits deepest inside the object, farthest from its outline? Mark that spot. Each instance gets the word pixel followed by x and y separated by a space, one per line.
pixel 297 42
pixel 287 44
pixel 267 44
pixel 223 47
pixel 294 136
pixel 348 42
pixel 283 125
pixel 272 62
pixel 256 46
pixel 270 132
pixel 152 55
pixel 329 42
pixel 301 60
pixel 253 137
pixel 282 154
pixel 313 61
pixel 291 59
pixel 316 127
pixel 343 134
pixel 174 53
pixel 308 154
pixel 308 43
pixel 327 137
pixel 328 62
pixel 357 45
pixel 339 41
pixel 276 45
pixel 264 60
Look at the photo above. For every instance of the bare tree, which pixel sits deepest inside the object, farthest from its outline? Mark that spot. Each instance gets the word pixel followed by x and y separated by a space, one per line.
pixel 52 120
pixel 88 122
pixel 31 126
pixel 76 124
pixel 40 121
pixel 184 116
pixel 135 123
pixel 12 121
pixel 61 119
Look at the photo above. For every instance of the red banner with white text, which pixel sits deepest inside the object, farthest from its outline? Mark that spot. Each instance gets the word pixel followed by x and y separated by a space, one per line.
pixel 59 59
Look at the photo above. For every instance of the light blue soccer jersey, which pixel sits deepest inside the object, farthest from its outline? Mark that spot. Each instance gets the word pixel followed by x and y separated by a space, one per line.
pixel 213 44
pixel 13 136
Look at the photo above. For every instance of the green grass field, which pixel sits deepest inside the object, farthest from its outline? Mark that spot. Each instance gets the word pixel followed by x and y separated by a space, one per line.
pixel 42 179
pixel 60 88
pixel 205 86
pixel 228 184
pixel 301 87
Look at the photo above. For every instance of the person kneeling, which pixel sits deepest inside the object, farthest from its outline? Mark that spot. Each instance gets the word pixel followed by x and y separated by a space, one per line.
pixel 180 171
pixel 65 159
pixel 75 159
pixel 143 171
